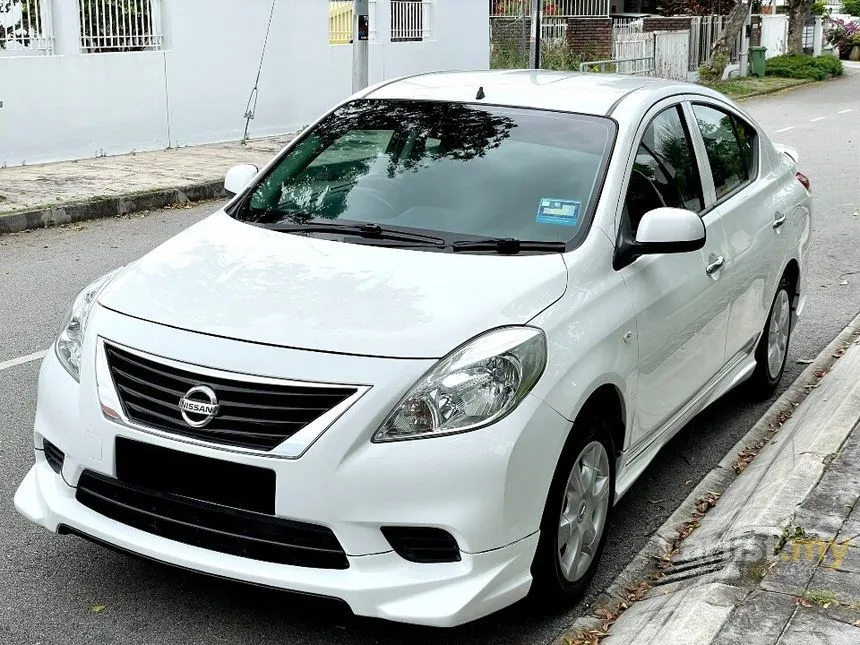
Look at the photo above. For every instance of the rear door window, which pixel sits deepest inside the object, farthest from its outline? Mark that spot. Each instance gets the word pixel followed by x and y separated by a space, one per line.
pixel 730 145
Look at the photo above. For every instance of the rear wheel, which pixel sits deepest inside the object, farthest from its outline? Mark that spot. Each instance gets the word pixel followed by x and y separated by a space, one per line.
pixel 772 349
pixel 573 528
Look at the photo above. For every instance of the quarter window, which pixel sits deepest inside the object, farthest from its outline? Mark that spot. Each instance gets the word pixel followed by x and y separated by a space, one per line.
pixel 664 171
pixel 730 144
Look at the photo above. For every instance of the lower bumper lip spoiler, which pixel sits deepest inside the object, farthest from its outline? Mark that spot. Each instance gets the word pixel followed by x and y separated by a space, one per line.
pixel 64 529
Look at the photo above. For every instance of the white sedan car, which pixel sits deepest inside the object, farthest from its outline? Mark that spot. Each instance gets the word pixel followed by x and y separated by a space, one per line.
pixel 417 358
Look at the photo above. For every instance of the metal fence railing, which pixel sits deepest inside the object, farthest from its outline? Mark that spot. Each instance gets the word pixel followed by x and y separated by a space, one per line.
pixel 410 20
pixel 640 66
pixel 551 8
pixel 120 25
pixel 25 28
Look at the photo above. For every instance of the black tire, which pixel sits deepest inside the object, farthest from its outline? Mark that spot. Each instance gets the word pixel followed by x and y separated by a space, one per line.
pixel 762 384
pixel 550 589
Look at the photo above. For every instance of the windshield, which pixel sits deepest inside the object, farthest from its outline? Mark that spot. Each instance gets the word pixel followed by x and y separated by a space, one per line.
pixel 458 171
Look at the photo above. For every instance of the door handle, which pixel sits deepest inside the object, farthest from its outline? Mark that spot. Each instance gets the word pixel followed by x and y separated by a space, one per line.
pixel 778 219
pixel 715 266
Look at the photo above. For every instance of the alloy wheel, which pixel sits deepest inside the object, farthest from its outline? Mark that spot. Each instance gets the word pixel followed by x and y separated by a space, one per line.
pixel 584 511
pixel 777 335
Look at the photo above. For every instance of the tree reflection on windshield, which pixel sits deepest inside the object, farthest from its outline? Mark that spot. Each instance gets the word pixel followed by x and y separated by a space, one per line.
pixel 340 151
pixel 440 168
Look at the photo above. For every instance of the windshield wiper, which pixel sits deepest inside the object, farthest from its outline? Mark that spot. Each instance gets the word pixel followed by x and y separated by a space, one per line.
pixel 508 245
pixel 373 231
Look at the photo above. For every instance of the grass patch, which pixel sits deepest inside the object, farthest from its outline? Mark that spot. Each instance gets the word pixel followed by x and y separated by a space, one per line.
pixel 738 88
pixel 822 598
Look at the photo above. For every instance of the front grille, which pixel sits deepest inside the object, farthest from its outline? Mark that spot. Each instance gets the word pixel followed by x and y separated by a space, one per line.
pixel 250 415
pixel 212 526
pixel 54 456
pixel 422 544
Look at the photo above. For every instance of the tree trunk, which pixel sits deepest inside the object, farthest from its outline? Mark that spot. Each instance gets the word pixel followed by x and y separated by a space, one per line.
pixel 734 24
pixel 798 12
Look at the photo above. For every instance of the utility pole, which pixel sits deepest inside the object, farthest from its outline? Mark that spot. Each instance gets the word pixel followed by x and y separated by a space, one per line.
pixel 534 44
pixel 744 53
pixel 360 48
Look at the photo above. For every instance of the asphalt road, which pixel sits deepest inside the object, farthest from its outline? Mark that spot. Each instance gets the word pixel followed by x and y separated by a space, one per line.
pixel 50 584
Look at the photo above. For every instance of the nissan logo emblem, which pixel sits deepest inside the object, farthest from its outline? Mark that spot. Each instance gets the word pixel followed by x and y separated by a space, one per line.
pixel 199 406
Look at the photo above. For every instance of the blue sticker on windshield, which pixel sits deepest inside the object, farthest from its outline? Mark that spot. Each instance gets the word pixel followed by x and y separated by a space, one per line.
pixel 558 211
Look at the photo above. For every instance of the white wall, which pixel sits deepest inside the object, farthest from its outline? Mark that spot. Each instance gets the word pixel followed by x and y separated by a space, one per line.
pixel 195 91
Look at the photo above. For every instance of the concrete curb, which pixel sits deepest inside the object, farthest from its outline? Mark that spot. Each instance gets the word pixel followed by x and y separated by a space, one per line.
pixel 114 206
pixel 643 565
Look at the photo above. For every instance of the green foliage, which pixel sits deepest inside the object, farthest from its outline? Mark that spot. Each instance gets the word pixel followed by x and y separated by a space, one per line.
pixel 508 56
pixel 819 8
pixel 803 66
pixel 555 56
pixel 710 73
pixel 851 7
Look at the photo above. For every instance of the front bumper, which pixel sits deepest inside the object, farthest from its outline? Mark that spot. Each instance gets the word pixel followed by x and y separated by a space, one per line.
pixel 487 488
pixel 382 585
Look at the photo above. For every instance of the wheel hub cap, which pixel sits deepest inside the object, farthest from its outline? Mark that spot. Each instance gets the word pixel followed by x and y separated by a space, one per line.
pixel 777 334
pixel 583 511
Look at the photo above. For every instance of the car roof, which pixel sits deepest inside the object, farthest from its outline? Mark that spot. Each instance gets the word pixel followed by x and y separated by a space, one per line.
pixel 584 93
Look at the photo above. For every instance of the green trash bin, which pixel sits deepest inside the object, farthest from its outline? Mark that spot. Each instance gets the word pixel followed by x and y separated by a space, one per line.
pixel 757 61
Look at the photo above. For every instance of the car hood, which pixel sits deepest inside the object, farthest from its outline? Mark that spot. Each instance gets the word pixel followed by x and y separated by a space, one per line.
pixel 226 278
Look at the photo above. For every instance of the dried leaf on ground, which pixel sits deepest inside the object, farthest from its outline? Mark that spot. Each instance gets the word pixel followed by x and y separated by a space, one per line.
pixel 638 592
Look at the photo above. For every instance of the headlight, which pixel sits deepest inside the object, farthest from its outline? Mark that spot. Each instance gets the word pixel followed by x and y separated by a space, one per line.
pixel 71 338
pixel 474 386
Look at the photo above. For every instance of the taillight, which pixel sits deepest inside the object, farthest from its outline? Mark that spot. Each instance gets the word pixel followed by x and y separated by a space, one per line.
pixel 803 179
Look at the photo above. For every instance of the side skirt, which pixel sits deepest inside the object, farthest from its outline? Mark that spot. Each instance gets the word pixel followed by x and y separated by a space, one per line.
pixel 732 375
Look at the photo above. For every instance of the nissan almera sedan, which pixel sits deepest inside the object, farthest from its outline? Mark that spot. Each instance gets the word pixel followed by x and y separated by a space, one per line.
pixel 417 358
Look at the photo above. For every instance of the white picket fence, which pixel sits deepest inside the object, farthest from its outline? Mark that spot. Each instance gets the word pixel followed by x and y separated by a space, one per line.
pixel 633 47
pixel 671 54
pixel 673 58
pixel 668 51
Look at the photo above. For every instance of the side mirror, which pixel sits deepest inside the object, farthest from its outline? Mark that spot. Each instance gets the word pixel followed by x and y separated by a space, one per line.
pixel 670 230
pixel 662 230
pixel 238 178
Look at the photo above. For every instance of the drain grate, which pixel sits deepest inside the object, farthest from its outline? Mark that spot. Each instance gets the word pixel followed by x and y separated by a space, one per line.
pixel 694 567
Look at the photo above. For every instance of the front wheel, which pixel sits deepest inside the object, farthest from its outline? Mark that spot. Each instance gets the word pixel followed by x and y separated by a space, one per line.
pixel 772 350
pixel 573 528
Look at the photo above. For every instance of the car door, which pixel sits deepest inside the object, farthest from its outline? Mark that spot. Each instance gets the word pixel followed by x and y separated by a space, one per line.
pixel 750 204
pixel 681 310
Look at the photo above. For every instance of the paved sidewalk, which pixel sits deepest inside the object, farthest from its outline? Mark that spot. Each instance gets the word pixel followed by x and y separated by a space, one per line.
pixel 56 193
pixel 776 560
